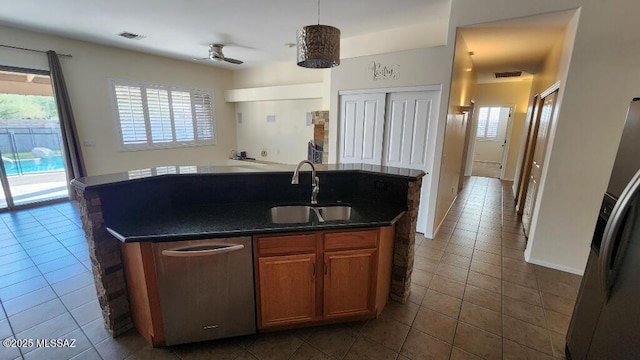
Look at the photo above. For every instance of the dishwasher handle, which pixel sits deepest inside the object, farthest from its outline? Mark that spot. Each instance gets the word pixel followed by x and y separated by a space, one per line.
pixel 202 250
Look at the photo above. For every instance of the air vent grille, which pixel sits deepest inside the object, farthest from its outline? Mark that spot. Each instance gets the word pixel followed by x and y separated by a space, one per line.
pixel 131 36
pixel 507 74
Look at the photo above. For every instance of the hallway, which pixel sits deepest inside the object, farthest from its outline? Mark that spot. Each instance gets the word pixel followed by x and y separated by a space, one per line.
pixel 473 296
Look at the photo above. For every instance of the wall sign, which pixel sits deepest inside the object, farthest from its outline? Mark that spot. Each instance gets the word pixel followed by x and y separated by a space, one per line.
pixel 384 72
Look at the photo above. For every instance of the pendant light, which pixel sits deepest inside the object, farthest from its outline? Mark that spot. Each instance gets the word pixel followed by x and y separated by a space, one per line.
pixel 318 45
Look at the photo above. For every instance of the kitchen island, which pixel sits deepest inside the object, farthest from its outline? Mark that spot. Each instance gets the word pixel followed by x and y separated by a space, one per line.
pixel 186 203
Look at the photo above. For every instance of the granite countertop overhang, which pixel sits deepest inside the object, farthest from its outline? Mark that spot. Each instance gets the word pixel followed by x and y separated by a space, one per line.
pixel 91 182
pixel 184 205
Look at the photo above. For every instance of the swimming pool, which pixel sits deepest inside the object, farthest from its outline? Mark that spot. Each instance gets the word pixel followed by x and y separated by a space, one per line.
pixel 35 165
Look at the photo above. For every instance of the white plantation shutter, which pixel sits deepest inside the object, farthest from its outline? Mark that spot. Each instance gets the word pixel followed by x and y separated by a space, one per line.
pixel 493 122
pixel 152 116
pixel 482 122
pixel 159 115
pixel 488 122
pixel 131 114
pixel 203 112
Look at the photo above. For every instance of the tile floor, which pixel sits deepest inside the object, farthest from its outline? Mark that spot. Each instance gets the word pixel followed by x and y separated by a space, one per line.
pixel 472 297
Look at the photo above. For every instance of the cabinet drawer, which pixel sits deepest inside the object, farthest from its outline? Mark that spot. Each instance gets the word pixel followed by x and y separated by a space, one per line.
pixel 350 240
pixel 287 244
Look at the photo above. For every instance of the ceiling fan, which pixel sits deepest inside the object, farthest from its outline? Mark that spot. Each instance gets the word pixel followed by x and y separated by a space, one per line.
pixel 215 54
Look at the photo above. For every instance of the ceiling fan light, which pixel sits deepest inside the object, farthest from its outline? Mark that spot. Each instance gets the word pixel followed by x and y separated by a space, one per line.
pixel 318 46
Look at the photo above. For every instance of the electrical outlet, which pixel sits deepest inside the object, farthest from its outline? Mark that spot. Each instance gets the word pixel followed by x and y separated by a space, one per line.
pixel 263 153
pixel 271 118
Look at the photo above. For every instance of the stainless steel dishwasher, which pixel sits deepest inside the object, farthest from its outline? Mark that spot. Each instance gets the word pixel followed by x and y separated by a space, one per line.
pixel 206 289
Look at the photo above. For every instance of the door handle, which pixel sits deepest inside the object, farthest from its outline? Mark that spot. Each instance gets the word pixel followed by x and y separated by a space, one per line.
pixel 314 270
pixel 202 250
pixel 611 231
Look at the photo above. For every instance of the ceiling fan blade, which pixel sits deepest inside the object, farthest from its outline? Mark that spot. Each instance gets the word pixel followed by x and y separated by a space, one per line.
pixel 233 61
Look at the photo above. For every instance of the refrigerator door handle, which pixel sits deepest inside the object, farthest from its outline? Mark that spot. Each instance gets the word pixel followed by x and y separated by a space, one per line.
pixel 611 232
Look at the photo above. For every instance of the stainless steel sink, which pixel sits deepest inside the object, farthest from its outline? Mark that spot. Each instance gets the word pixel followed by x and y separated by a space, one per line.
pixel 290 214
pixel 338 212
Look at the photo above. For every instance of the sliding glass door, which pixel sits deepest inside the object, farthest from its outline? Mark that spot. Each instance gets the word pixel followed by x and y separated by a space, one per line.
pixel 30 140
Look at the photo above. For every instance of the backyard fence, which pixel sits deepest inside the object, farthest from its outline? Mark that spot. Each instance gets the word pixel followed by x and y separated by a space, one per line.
pixel 17 141
pixel 26 150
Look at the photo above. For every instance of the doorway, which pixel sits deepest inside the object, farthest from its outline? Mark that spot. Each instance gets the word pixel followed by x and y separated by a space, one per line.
pixel 490 145
pixel 31 162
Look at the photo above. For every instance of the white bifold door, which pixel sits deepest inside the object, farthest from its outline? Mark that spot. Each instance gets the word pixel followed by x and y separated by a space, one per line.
pixel 362 127
pixel 392 129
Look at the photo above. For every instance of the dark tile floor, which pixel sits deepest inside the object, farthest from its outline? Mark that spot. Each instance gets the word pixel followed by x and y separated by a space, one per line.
pixel 473 296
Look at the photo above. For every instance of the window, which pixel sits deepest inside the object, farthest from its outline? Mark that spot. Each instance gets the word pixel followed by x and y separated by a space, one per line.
pixel 488 122
pixel 153 116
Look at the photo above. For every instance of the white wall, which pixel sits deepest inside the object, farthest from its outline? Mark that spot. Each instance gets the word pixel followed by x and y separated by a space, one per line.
pixel 285 140
pixel 87 76
pixel 453 132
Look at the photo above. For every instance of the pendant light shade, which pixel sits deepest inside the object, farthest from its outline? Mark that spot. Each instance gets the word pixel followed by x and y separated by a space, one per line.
pixel 318 46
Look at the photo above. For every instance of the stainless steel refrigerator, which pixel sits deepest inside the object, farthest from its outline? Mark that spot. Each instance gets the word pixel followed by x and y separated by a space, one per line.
pixel 606 318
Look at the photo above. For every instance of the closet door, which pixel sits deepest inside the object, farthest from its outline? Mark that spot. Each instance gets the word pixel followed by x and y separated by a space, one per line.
pixel 361 128
pixel 546 117
pixel 408 140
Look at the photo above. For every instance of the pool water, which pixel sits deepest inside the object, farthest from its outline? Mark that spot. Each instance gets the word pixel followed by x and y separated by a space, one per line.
pixel 26 166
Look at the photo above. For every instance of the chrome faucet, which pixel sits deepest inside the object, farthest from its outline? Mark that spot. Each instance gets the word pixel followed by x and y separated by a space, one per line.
pixel 314 180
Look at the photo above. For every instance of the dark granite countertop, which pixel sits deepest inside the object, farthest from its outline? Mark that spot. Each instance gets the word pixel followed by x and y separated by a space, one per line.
pixel 97 181
pixel 239 219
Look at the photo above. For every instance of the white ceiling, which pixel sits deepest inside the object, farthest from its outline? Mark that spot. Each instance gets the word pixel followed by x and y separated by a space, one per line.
pixel 255 30
pixel 514 45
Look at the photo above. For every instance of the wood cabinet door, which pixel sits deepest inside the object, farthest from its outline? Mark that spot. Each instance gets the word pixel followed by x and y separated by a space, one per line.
pixel 349 282
pixel 546 117
pixel 287 289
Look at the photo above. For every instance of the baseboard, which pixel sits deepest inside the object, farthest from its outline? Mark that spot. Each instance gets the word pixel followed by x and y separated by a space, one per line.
pixel 487 162
pixel 555 266
pixel 444 217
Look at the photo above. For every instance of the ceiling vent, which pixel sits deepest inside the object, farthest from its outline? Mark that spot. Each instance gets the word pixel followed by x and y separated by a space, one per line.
pixel 131 36
pixel 508 74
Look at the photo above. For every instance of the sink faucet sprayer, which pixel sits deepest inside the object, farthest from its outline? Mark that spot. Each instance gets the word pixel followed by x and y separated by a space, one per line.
pixel 314 180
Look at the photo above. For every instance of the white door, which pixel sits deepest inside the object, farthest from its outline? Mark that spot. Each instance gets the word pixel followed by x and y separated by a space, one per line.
pixel 361 128
pixel 408 139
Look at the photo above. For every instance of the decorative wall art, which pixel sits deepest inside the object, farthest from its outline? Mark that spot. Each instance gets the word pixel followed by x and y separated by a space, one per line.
pixel 384 72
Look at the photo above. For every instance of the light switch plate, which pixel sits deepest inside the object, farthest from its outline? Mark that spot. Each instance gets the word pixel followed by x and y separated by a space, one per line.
pixel 239 117
pixel 309 119
pixel 271 118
